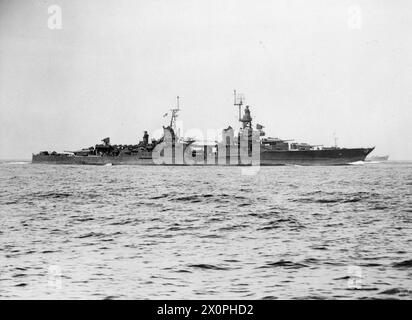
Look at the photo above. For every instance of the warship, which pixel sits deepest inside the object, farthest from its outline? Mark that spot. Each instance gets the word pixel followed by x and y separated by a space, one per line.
pixel 377 158
pixel 249 146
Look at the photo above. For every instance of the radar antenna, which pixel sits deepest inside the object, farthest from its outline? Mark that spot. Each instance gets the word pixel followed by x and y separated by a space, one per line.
pixel 246 120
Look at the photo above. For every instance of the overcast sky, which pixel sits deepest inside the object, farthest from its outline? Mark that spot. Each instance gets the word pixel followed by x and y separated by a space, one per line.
pixel 307 69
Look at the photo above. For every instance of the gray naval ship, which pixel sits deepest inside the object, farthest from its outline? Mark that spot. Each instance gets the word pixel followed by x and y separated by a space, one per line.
pixel 377 158
pixel 247 147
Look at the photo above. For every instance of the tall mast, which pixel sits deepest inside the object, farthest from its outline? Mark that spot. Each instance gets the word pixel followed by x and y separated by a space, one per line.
pixel 336 139
pixel 238 101
pixel 174 115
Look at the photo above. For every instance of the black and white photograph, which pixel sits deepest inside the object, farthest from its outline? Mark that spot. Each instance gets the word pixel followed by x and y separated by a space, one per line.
pixel 194 150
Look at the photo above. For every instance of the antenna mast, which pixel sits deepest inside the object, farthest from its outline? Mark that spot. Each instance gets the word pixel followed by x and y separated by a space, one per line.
pixel 336 139
pixel 238 101
pixel 174 115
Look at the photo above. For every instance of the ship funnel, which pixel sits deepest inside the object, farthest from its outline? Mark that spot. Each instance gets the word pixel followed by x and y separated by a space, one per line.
pixel 145 138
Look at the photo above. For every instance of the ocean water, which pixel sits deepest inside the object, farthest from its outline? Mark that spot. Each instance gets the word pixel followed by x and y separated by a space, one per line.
pixel 120 232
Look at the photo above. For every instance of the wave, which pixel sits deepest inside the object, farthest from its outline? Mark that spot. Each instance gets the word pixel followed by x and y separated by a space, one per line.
pixel 41 195
pixel 343 278
pixel 269 298
pixel 159 197
pixel 363 289
pixel 361 163
pixel 403 264
pixel 18 162
pixel 335 197
pixel 90 234
pixel 281 223
pixel 397 291
pixel 21 285
pixel 192 198
pixel 285 264
pixel 183 271
pixel 202 197
pixel 357 163
pixel 207 266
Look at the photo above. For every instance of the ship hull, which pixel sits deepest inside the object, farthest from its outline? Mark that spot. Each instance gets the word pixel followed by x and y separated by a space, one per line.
pixel 314 157
pixel 267 158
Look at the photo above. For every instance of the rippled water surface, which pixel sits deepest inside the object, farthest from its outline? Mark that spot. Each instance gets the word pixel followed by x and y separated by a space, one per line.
pixel 205 232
